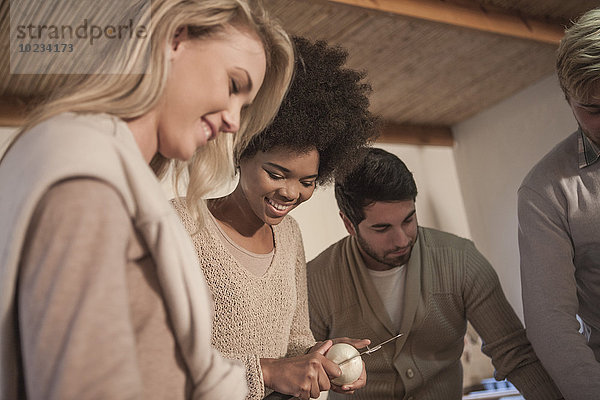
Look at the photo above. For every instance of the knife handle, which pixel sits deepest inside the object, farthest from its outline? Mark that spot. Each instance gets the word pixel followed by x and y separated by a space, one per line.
pixel 278 396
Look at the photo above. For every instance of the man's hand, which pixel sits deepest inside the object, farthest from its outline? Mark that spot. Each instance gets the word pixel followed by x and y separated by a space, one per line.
pixel 351 387
pixel 362 379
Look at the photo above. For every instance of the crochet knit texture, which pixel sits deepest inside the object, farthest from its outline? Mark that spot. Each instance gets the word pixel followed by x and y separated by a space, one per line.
pixel 255 316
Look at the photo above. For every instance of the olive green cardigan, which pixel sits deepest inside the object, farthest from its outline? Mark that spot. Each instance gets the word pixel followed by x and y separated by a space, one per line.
pixel 448 282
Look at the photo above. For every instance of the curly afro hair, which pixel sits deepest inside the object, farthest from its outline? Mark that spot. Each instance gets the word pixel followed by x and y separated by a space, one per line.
pixel 326 108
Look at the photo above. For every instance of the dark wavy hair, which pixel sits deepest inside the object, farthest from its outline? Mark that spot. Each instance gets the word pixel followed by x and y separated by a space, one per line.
pixel 380 176
pixel 326 108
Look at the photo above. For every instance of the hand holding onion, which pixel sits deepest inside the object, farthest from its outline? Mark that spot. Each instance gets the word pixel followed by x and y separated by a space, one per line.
pixel 351 368
pixel 353 372
pixel 303 376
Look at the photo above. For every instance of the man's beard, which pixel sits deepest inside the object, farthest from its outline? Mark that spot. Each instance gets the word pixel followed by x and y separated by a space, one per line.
pixel 390 262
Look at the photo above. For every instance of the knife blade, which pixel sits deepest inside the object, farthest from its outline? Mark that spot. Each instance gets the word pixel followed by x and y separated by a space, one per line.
pixel 371 350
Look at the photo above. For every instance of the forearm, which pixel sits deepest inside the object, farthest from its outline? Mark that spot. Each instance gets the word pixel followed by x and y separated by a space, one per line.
pixel 555 336
pixel 515 360
pixel 504 337
pixel 513 356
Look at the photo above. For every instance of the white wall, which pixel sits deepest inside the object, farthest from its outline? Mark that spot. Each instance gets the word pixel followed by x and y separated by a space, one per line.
pixel 439 202
pixel 5 135
pixel 494 151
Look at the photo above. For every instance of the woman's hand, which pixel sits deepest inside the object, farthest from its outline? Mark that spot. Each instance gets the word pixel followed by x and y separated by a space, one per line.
pixel 304 376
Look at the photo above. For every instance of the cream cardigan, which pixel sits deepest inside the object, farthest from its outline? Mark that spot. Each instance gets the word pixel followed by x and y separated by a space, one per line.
pixel 102 147
pixel 256 317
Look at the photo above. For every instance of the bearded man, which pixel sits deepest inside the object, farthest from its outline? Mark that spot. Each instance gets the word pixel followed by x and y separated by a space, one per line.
pixel 392 276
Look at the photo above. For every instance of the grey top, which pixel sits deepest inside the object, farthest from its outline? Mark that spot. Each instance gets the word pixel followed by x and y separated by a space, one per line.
pixel 559 241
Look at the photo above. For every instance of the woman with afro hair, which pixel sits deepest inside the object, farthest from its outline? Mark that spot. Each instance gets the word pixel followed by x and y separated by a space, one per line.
pixel 251 250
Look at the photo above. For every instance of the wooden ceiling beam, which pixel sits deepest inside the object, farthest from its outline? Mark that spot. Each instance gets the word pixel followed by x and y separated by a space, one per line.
pixel 467 17
pixel 12 111
pixel 416 135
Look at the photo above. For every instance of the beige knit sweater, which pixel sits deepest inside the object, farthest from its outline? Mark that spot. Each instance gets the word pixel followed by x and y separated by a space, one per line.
pixel 256 317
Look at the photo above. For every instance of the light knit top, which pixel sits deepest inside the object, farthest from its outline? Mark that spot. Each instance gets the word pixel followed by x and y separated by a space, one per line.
pixel 58 297
pixel 559 240
pixel 447 283
pixel 255 316
pixel 256 263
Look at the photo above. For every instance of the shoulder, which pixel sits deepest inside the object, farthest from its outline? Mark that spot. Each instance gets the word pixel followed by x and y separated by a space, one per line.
pixel 187 219
pixel 558 162
pixel 445 251
pixel 84 192
pixel 435 239
pixel 81 194
pixel 96 145
pixel 288 236
pixel 288 230
pixel 85 206
pixel 68 146
pixel 80 127
pixel 288 224
pixel 92 135
pixel 329 260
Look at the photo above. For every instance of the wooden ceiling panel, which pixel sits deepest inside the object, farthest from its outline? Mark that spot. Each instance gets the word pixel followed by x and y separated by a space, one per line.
pixel 561 11
pixel 423 73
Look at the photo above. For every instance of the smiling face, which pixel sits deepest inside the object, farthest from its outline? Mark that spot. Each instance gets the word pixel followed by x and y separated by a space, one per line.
pixel 387 234
pixel 275 182
pixel 587 114
pixel 211 79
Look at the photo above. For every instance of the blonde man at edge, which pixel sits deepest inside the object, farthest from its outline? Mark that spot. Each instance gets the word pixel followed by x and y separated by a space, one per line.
pixel 559 216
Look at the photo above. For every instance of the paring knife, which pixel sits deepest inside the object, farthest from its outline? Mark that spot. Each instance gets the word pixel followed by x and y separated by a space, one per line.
pixel 371 350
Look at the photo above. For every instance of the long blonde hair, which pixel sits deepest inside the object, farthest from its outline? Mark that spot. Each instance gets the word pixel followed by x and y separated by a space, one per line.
pixel 130 94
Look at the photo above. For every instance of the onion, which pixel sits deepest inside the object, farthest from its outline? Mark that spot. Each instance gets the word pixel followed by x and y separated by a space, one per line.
pixel 352 369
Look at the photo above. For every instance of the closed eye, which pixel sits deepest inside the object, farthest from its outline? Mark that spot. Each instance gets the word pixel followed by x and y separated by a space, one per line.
pixel 273 175
pixel 234 87
pixel 381 228
pixel 593 111
pixel 410 217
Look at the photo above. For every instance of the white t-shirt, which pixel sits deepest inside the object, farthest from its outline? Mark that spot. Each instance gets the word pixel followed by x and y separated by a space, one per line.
pixel 390 286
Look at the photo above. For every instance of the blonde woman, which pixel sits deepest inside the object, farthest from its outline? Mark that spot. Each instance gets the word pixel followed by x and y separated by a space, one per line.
pixel 101 294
